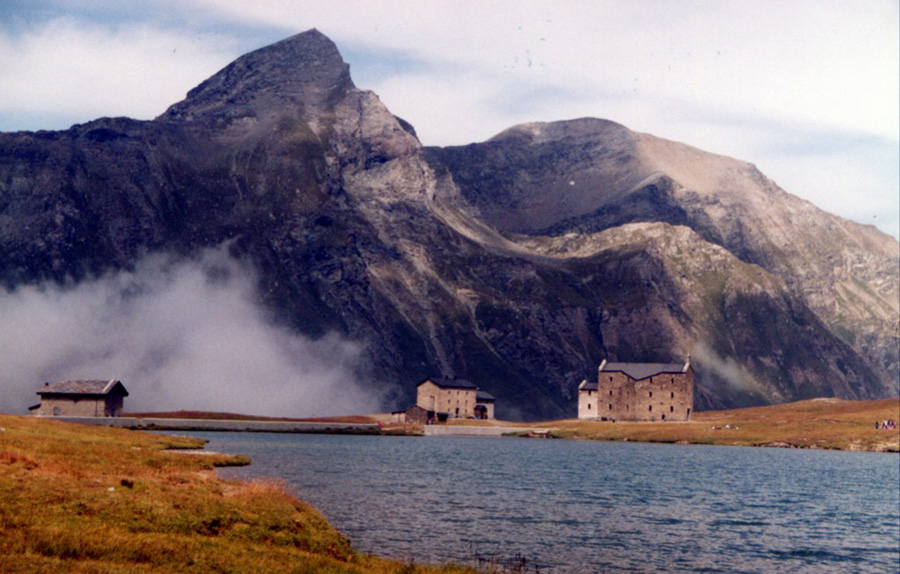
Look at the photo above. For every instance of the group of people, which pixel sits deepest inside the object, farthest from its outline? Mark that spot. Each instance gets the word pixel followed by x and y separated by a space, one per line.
pixel 888 424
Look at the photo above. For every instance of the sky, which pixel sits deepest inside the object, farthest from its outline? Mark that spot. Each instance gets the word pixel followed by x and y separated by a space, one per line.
pixel 805 89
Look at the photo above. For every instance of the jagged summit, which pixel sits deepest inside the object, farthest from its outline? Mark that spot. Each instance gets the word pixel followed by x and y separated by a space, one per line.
pixel 304 72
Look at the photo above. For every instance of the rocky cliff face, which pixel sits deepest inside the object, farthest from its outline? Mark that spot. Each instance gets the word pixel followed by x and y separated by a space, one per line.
pixel 586 176
pixel 520 262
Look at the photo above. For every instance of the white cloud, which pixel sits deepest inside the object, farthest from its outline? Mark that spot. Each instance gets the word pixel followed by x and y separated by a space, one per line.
pixel 75 71
pixel 859 182
pixel 180 335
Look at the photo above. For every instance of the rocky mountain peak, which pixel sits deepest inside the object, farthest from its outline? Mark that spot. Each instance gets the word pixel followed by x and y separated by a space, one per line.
pixel 537 133
pixel 518 262
pixel 304 73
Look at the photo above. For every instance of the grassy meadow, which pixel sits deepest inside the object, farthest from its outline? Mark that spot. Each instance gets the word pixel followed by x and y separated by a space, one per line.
pixel 816 423
pixel 93 499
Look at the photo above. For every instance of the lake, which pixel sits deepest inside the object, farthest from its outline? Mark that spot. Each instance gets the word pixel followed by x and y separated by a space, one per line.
pixel 580 506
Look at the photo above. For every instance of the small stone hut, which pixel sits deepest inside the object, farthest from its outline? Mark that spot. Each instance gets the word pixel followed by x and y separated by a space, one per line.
pixel 412 415
pixel 638 392
pixel 82 399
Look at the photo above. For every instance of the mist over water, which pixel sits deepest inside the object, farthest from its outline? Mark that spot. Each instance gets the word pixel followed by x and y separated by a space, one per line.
pixel 180 334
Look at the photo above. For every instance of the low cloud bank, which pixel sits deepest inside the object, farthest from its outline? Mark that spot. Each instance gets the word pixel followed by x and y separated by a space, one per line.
pixel 725 375
pixel 180 335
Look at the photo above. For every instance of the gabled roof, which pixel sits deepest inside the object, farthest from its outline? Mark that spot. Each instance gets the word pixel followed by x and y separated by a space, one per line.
pixel 484 397
pixel 452 383
pixel 639 371
pixel 72 387
pixel 587 385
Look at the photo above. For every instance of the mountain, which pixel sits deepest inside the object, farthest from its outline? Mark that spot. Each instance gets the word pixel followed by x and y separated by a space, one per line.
pixel 586 176
pixel 520 262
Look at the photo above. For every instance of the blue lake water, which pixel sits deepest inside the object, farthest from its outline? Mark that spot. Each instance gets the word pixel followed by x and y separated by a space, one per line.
pixel 578 506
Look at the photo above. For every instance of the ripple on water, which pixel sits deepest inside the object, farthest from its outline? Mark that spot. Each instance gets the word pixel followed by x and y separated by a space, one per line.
pixel 573 506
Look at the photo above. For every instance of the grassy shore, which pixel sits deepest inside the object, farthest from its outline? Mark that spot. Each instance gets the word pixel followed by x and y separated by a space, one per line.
pixel 91 499
pixel 816 423
pixel 101 500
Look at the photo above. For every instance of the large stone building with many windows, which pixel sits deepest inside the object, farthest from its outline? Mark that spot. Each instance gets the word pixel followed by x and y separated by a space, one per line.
pixel 638 392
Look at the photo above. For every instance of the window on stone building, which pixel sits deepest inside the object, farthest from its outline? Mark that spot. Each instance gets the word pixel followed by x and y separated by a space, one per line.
pixel 610 406
pixel 651 394
pixel 651 408
pixel 671 409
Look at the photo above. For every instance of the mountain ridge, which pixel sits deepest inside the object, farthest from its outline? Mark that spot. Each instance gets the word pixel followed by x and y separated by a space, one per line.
pixel 519 262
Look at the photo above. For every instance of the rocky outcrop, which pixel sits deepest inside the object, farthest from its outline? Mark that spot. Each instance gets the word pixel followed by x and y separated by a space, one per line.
pixel 586 176
pixel 520 262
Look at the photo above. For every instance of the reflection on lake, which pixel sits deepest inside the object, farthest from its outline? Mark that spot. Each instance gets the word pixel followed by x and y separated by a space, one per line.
pixel 573 506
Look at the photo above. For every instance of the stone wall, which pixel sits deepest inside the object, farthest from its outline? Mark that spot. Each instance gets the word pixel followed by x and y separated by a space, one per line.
pixel 587 404
pixel 415 415
pixel 87 406
pixel 458 403
pixel 662 397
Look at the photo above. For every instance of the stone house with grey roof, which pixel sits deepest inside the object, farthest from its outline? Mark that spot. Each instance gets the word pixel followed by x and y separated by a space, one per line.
pixel 638 392
pixel 73 398
pixel 444 398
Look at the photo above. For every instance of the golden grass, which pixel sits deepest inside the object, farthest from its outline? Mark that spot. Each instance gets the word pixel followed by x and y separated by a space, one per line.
pixel 816 423
pixel 100 500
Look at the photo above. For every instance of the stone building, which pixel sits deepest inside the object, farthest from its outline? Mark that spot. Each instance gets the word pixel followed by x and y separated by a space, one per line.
pixel 454 398
pixel 638 392
pixel 484 405
pixel 412 415
pixel 82 399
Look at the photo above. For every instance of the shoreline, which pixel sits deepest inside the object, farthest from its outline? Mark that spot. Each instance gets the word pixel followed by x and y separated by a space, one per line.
pixel 825 424
pixel 223 425
pixel 88 499
pixel 822 424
